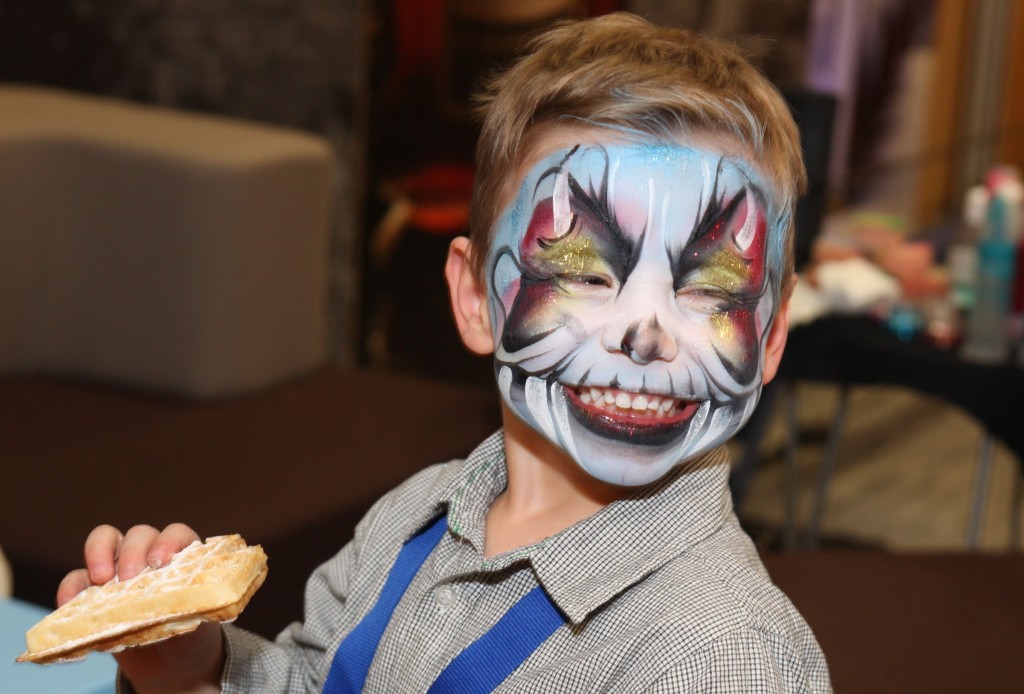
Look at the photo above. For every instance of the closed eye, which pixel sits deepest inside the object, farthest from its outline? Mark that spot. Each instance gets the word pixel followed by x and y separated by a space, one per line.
pixel 710 298
pixel 586 281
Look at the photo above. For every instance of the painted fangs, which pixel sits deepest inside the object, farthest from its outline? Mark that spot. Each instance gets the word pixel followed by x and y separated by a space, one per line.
pixel 632 403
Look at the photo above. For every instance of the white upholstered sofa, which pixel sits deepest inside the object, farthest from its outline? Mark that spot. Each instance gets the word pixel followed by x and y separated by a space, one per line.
pixel 159 249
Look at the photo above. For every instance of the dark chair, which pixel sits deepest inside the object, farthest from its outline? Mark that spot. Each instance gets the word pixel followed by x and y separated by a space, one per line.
pixel 851 351
pixel 854 351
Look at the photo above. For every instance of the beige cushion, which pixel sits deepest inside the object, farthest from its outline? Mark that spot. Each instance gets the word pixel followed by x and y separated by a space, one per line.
pixel 6 580
pixel 157 248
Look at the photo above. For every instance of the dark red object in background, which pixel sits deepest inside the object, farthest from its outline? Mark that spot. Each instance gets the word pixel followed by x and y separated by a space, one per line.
pixel 419 28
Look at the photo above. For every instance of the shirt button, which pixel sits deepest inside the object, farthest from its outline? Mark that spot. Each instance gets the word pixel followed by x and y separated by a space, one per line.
pixel 444 596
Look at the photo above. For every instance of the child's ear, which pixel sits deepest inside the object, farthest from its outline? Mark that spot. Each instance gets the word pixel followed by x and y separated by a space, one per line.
pixel 469 300
pixel 777 337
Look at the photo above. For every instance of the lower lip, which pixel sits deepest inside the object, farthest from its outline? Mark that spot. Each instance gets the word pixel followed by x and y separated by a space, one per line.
pixel 640 426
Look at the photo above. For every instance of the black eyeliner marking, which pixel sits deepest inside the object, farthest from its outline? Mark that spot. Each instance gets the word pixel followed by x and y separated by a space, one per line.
pixel 505 250
pixel 557 168
pixel 562 365
pixel 731 367
pixel 514 345
pixel 548 243
pixel 623 254
pixel 740 374
pixel 585 376
pixel 713 210
pixel 685 260
pixel 619 251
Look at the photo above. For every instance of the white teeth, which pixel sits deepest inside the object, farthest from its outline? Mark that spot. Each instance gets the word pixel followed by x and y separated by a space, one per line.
pixel 639 403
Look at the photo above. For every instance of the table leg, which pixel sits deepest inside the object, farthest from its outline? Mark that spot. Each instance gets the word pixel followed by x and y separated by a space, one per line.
pixel 981 484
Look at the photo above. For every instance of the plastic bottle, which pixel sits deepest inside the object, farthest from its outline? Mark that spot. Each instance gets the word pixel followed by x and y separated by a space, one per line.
pixel 962 256
pixel 1017 303
pixel 988 333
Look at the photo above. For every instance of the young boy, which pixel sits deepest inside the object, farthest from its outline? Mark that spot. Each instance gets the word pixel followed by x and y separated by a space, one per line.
pixel 630 269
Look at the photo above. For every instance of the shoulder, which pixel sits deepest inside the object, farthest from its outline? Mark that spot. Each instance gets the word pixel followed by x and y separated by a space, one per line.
pixel 719 614
pixel 734 587
pixel 746 660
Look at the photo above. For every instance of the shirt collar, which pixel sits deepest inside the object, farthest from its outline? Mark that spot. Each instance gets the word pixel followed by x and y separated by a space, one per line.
pixel 586 565
pixel 472 489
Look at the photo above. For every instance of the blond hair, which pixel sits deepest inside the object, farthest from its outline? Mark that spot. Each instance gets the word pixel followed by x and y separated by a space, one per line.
pixel 620 71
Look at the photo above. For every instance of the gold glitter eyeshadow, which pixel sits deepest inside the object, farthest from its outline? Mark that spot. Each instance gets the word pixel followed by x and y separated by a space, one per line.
pixel 723 327
pixel 570 256
pixel 727 271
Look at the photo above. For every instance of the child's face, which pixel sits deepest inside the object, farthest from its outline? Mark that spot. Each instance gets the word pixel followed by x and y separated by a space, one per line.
pixel 630 303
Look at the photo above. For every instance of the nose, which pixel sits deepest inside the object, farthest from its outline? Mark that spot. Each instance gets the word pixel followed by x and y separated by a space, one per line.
pixel 643 341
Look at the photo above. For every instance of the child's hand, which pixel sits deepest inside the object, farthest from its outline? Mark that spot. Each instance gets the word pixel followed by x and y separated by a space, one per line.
pixel 108 553
pixel 184 663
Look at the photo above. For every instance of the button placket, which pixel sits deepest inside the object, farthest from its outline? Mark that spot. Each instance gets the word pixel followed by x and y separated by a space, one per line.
pixel 453 558
pixel 445 566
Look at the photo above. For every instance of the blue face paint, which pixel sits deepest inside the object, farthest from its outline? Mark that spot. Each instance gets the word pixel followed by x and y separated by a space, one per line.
pixel 630 299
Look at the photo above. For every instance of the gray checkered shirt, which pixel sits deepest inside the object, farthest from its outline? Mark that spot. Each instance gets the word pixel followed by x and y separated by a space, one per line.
pixel 662 592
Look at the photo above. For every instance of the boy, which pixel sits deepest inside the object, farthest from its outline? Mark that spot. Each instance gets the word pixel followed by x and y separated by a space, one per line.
pixel 630 269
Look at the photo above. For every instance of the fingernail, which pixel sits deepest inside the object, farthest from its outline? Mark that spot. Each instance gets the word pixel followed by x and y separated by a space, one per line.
pixel 156 561
pixel 98 571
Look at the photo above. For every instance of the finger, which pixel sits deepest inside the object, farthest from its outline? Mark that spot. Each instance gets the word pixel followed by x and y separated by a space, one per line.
pixel 134 550
pixel 73 584
pixel 101 553
pixel 174 538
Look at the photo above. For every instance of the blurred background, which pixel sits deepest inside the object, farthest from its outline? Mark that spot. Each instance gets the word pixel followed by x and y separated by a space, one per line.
pixel 222 228
pixel 904 106
pixel 926 100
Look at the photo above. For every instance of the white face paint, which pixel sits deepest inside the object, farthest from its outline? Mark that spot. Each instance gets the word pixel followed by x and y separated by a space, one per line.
pixel 631 302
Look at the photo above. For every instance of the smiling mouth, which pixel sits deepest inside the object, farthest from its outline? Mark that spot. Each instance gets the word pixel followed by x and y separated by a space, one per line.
pixel 634 417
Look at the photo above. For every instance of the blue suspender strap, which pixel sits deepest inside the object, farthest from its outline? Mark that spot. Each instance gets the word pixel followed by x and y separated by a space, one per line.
pixel 354 655
pixel 490 659
pixel 485 664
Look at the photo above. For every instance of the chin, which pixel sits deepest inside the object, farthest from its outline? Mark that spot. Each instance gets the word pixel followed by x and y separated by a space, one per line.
pixel 649 455
pixel 619 437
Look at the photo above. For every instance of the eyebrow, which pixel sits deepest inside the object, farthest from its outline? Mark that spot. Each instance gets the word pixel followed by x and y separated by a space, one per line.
pixel 620 252
pixel 712 211
pixel 685 259
pixel 700 247
pixel 556 169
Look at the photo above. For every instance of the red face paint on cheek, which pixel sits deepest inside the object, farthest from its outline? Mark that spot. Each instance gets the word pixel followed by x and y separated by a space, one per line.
pixel 738 246
pixel 734 338
pixel 540 228
pixel 755 254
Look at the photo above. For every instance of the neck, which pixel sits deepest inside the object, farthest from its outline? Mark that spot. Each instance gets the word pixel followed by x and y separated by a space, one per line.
pixel 547 491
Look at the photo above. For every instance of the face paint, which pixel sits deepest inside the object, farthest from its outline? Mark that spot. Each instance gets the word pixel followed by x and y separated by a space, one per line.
pixel 631 302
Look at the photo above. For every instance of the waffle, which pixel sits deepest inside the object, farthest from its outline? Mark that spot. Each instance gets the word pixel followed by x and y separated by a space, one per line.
pixel 205 582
